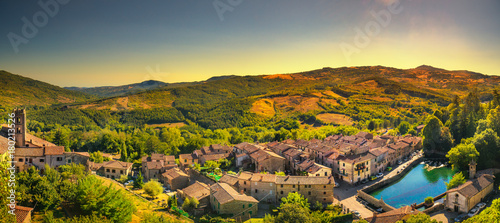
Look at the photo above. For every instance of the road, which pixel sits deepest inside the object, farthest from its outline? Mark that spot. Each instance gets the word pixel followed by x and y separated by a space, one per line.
pixel 346 193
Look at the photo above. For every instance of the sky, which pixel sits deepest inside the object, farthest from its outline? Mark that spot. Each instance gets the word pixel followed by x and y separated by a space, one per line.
pixel 107 43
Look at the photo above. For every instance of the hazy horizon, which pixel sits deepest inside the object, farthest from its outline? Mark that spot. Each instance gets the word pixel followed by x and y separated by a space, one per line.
pixel 94 43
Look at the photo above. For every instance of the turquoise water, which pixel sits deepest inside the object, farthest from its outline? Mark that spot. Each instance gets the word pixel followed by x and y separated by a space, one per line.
pixel 415 186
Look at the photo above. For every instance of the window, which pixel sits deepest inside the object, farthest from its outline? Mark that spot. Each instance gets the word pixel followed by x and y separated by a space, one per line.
pixel 281 192
pixel 250 212
pixel 243 213
pixel 113 171
pixel 249 205
pixel 21 160
pixel 244 189
pixel 293 186
pixel 107 170
pixel 59 158
pixel 309 193
pixel 324 192
pixel 185 160
pixel 69 160
pixel 281 185
pixel 343 164
pixel 256 191
pixel 42 160
pixel 324 186
pixel 121 172
pixel 244 182
pixel 326 174
pixel 243 206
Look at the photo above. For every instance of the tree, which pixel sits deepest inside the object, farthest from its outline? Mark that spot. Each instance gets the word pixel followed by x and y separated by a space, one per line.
pixel 123 179
pixel 295 198
pixel 153 188
pixel 419 218
pixel 403 127
pixel 436 137
pixel 461 155
pixel 490 214
pixel 190 204
pixel 93 197
pixel 457 180
pixel 487 144
pixel 96 157
pixel 293 213
pixel 61 139
pixel 429 200
pixel 318 206
pixel 139 182
pixel 123 153
pixel 154 218
pixel 280 173
pixel 4 190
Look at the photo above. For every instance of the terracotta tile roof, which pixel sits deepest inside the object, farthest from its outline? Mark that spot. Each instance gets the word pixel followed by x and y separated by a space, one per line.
pixel 86 154
pixel 224 193
pixel 37 152
pixel 21 213
pixel 229 179
pixel 394 215
pixel 54 150
pixel 4 144
pixel 292 153
pixel 197 190
pixel 305 164
pixel 303 180
pixel 378 151
pixel 289 141
pixel 269 178
pixel 174 173
pixel 221 147
pixel 154 165
pixel 472 187
pixel 241 154
pixel 245 176
pixel 37 141
pixel 357 158
pixel 364 135
pixel 215 157
pixel 247 147
pixel 117 164
pixel 187 156
pixel 301 143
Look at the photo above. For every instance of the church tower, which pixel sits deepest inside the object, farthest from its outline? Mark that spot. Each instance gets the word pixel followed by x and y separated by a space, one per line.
pixel 20 121
pixel 472 169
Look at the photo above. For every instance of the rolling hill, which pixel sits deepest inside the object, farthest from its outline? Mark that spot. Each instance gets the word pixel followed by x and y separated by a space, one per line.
pixel 113 91
pixel 17 90
pixel 343 95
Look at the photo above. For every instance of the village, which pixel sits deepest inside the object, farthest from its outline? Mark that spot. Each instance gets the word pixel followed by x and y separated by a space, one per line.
pixel 256 176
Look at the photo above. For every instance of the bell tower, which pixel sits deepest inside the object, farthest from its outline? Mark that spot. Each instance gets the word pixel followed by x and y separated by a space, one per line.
pixel 472 169
pixel 20 122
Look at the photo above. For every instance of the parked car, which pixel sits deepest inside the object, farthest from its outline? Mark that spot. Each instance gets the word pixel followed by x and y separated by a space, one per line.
pixel 373 177
pixel 399 162
pixel 481 205
pixel 473 212
pixel 128 182
pixel 379 175
pixel 460 218
pixel 337 185
pixel 356 213
pixel 363 181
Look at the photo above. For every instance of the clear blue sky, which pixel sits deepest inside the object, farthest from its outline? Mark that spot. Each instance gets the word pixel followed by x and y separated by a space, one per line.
pixel 103 42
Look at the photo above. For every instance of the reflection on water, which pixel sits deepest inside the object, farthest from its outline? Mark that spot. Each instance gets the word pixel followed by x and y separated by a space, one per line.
pixel 415 186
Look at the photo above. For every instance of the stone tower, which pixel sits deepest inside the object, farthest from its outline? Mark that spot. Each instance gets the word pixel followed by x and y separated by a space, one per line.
pixel 472 169
pixel 20 121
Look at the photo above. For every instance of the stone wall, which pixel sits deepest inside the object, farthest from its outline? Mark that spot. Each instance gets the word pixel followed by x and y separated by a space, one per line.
pixel 374 201
pixel 434 208
pixel 197 176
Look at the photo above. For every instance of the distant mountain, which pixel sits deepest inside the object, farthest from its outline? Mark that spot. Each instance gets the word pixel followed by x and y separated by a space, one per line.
pixel 113 91
pixel 16 90
pixel 337 95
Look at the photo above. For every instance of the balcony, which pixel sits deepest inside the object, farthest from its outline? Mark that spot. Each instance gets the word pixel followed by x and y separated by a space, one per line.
pixel 359 167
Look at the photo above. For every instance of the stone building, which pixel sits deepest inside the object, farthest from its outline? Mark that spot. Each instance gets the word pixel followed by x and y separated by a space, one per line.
pixel 114 169
pixel 198 190
pixel 313 188
pixel 175 179
pixel 225 200
pixel 466 196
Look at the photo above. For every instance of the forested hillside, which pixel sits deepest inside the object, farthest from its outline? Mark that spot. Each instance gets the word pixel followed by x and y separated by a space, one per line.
pixel 354 95
pixel 16 90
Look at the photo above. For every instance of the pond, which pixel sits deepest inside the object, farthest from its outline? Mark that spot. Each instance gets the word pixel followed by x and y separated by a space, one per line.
pixel 415 186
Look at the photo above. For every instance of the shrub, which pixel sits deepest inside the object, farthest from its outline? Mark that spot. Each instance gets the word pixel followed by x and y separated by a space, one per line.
pixel 429 200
